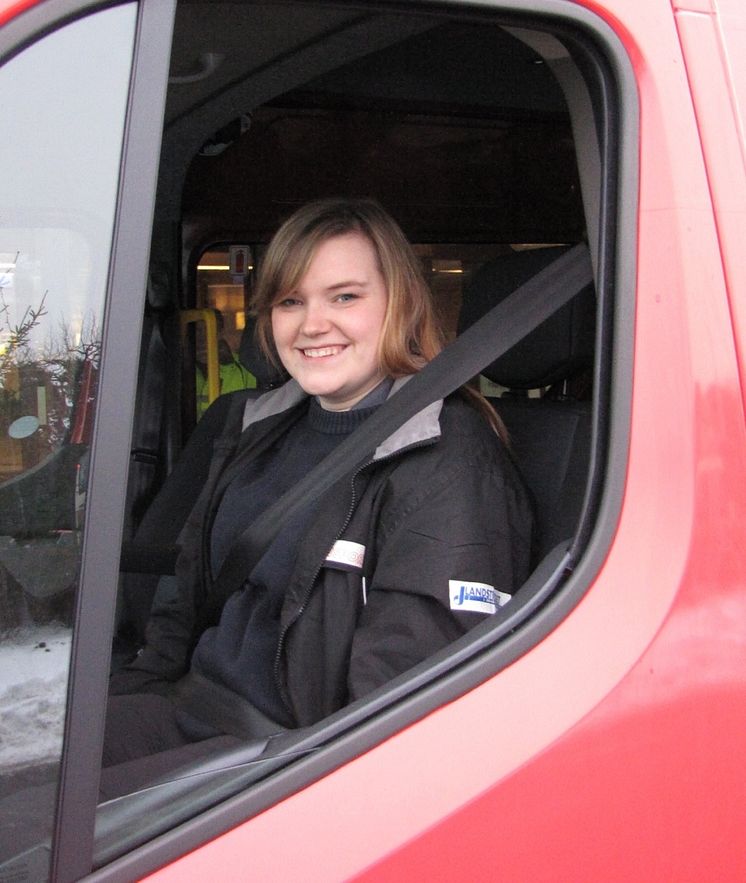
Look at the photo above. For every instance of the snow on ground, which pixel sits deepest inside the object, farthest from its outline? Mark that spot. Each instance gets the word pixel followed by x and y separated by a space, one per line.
pixel 33 682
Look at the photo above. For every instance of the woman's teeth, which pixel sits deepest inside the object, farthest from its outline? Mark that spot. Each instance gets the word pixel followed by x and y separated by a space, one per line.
pixel 323 351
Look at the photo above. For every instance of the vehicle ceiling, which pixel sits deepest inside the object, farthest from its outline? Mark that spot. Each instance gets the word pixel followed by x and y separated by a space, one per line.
pixel 308 58
pixel 349 52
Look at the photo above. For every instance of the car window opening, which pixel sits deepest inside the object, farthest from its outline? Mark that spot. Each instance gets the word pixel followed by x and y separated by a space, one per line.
pixel 490 143
pixel 543 387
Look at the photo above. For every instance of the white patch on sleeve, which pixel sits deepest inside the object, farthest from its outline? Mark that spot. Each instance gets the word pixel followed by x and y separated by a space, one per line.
pixel 346 555
pixel 476 597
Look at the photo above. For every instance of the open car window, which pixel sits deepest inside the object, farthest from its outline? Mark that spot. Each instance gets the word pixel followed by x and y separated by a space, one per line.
pixel 492 172
pixel 497 140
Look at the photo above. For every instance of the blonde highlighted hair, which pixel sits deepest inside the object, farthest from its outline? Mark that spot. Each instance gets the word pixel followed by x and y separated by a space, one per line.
pixel 411 335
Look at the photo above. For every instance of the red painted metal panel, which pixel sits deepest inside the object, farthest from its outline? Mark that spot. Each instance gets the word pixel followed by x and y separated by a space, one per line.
pixel 717 76
pixel 613 749
pixel 9 10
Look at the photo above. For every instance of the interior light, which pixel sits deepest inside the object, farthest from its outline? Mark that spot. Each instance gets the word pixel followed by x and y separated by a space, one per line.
pixel 439 265
pixel 219 268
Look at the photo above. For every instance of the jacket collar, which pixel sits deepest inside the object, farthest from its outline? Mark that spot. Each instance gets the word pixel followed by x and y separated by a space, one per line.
pixel 423 427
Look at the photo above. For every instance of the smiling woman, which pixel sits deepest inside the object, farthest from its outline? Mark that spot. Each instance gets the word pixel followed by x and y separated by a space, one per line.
pixel 381 261
pixel 395 561
pixel 327 330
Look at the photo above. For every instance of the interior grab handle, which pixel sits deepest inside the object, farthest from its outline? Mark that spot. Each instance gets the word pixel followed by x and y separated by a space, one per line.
pixel 207 64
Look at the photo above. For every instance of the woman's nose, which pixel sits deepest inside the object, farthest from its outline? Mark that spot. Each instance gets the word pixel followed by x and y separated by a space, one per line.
pixel 315 319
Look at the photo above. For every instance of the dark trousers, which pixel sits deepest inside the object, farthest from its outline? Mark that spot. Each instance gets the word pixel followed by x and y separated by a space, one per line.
pixel 143 742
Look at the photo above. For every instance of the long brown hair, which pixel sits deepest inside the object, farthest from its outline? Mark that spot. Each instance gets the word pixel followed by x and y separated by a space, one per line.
pixel 411 335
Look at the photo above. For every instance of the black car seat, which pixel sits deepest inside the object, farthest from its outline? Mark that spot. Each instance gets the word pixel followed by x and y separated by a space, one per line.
pixel 549 434
pixel 151 551
pixel 165 516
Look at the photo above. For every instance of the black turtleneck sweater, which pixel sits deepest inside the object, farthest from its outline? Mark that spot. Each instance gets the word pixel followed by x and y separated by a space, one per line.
pixel 240 651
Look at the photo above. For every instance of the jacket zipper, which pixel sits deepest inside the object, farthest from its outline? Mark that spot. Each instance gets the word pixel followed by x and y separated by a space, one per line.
pixel 309 589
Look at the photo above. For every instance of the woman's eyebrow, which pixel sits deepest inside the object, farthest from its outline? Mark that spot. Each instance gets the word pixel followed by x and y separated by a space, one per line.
pixel 348 283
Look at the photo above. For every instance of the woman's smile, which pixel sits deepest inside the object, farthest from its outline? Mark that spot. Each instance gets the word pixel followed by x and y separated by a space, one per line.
pixel 327 330
pixel 322 351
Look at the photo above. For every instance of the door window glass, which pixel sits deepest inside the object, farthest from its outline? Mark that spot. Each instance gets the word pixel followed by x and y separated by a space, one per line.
pixel 64 101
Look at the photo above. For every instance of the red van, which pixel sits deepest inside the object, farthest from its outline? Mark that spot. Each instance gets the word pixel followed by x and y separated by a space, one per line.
pixel 591 729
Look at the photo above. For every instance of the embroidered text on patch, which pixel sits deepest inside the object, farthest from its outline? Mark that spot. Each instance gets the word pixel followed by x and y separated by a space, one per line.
pixel 476 597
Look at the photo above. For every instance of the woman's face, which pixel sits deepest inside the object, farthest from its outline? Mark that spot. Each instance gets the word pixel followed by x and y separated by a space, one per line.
pixel 328 328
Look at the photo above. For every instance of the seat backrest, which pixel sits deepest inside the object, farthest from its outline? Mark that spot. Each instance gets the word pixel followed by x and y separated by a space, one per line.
pixel 550 441
pixel 156 536
pixel 549 435
pixel 267 375
pixel 165 516
pixel 160 526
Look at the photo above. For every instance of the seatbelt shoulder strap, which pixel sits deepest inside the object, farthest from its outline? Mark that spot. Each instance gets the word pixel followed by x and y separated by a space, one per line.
pixel 486 340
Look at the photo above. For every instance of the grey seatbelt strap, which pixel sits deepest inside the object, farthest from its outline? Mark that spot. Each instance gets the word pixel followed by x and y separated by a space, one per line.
pixel 486 340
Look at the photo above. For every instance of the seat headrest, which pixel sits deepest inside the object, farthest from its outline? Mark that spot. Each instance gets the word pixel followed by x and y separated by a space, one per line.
pixel 556 350
pixel 254 360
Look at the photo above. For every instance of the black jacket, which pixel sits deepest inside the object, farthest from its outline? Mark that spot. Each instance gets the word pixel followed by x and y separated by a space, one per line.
pixel 403 557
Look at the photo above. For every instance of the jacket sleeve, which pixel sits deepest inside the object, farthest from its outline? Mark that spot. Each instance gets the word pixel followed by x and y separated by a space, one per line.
pixel 169 633
pixel 170 630
pixel 448 553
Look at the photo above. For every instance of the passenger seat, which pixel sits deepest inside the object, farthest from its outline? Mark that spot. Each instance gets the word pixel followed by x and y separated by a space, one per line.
pixel 152 551
pixel 549 435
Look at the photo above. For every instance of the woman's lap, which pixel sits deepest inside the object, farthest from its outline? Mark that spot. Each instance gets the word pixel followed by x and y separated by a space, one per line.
pixel 143 743
pixel 139 724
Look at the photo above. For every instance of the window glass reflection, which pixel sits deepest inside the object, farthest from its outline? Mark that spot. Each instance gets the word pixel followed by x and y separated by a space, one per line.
pixel 64 101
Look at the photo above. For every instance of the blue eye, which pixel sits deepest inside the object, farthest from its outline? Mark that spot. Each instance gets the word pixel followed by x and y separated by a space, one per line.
pixel 346 297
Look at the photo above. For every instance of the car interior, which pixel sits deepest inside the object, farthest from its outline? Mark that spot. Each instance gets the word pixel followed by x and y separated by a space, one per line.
pixel 467 131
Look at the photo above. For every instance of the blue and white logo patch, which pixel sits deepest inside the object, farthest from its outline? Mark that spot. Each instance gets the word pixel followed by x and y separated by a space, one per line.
pixel 476 597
